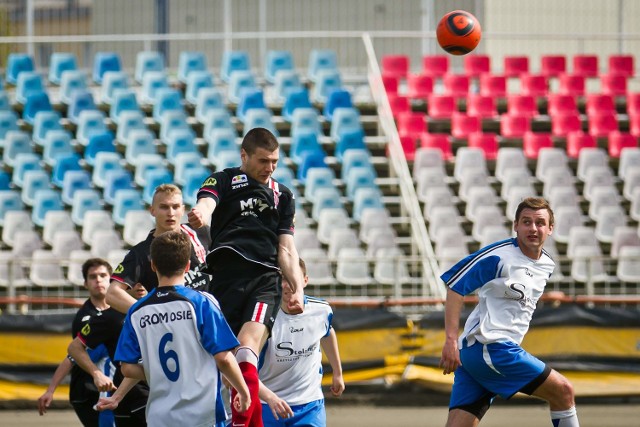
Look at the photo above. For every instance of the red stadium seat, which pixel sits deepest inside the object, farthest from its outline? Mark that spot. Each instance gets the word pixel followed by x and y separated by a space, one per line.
pixel 563 124
pixel 435 65
pixel 634 125
pixel 463 125
pixel 493 85
pixel 619 140
pixel 437 140
pixel 456 85
pixel 622 65
pixel 601 125
pixel 412 123
pixel 514 126
pixel 571 84
pixel 578 140
pixel 553 65
pixel 533 142
pixel 399 104
pixel 522 105
pixel 390 83
pixel 395 65
pixel 476 65
pixel 633 104
pixel 558 103
pixel 613 84
pixel 535 85
pixel 599 103
pixel 441 106
pixel 585 65
pixel 482 106
pixel 514 66
pixel 487 142
pixel 408 146
pixel 419 86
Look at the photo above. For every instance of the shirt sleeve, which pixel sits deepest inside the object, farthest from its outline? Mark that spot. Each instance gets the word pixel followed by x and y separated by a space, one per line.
pixel 96 331
pixel 215 333
pixel 287 211
pixel 128 271
pixel 329 320
pixel 128 349
pixel 212 187
pixel 472 273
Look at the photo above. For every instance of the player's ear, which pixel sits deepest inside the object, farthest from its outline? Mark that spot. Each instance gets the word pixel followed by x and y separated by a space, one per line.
pixel 153 266
pixel 188 267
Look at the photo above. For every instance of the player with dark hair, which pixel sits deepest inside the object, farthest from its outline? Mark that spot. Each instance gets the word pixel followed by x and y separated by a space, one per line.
pixel 83 394
pixel 167 208
pixel 175 331
pixel 510 277
pixel 251 218
pixel 291 363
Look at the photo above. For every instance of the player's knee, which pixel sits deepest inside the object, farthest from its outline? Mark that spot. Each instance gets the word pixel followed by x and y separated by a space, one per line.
pixel 564 397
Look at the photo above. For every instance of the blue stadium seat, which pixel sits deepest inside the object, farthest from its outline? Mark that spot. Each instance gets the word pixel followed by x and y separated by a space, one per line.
pixel 197 81
pixel 208 99
pixel 123 100
pixel 326 197
pixel 349 140
pixel 277 60
pixel 259 118
pixel 57 143
pixel 359 177
pixel 29 83
pixel 36 102
pixel 286 81
pixel 178 141
pixel 352 158
pixel 151 82
pixel 303 142
pixel 9 201
pixel 183 162
pixel 305 120
pixel 71 81
pixel 297 98
pixel 251 98
pixel 5 180
pixel 90 122
pixel 15 142
pixel 339 98
pixel 113 81
pixel 73 181
pixel 104 163
pixel 154 178
pixel 103 62
pixel 125 201
pixel 193 181
pixel 311 159
pixel 23 163
pixel 321 59
pixel 139 142
pixel 84 200
pixel 60 62
pixel 189 62
pixel 145 163
pixel 172 119
pixel 344 119
pixel 218 118
pixel 326 82
pixel 148 61
pixel 317 178
pixel 285 176
pixel 115 180
pixel 167 99
pixel 5 103
pixel 80 101
pixel 226 159
pixel 368 197
pixel 221 140
pixel 43 122
pixel 45 201
pixel 65 163
pixel 18 63
pixel 232 61
pixel 34 181
pixel 102 142
pixel 8 121
pixel 128 121
pixel 240 80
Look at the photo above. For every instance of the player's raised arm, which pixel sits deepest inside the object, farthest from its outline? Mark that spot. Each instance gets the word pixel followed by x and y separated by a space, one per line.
pixel 329 345
pixel 289 263
pixel 118 298
pixel 200 214
pixel 450 355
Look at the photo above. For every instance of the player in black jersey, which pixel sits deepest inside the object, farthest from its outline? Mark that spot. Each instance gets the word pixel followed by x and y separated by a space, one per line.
pixel 83 394
pixel 252 220
pixel 167 208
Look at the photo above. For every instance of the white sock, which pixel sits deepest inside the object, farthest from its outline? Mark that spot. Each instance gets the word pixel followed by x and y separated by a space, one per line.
pixel 567 418
pixel 245 354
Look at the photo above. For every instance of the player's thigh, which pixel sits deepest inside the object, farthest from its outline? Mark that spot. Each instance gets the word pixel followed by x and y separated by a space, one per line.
pixel 253 335
pixel 86 414
pixel 263 296
pixel 461 418
pixel 556 390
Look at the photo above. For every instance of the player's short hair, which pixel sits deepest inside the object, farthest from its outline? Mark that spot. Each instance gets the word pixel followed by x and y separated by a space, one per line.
pixel 168 189
pixel 170 253
pixel 259 138
pixel 92 263
pixel 535 203
pixel 303 266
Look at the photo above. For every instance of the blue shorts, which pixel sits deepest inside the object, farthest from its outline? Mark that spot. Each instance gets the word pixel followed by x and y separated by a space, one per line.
pixel 496 369
pixel 310 414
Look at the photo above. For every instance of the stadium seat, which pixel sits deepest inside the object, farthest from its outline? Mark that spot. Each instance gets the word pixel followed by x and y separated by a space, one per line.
pixel 330 219
pixel 286 81
pixel 178 141
pixel 463 125
pixel 5 180
pixel 621 65
pixel 35 103
pixel 250 98
pixel 145 163
pixel 456 85
pixel 90 122
pixel 171 120
pixel 24 162
pixel 96 220
pixel 442 217
pixel 137 224
pixel 412 123
pixel 184 162
pixel 477 64
pixel 80 101
pixel 516 177
pixel 634 125
pixel 352 269
pixel 63 165
pixel 105 241
pixel 73 181
pixel 395 65
pixel 153 178
pixel 585 65
pixel 390 83
pixel 115 180
pixel 166 99
pixel 600 198
pixel 15 142
pixel 430 178
pixel 319 268
pixel 572 84
pixel 317 178
pixel 306 238
pixel 494 85
pixel 383 238
pixel 70 82
pixel 370 220
pixel 84 200
pixel 321 59
pixel 140 141
pixel 508 157
pixel 197 81
pixel 12 272
pixel 275 61
pixel 221 140
pixel 562 125
pixel 487 142
pixel 344 120
pixel 55 222
pixel 46 270
pixel 482 106
pixel 354 157
pixel 553 65
pixel 297 98
pixel 326 82
pixel 601 125
pixel 359 177
pixel 103 62
pixel 419 86
pixel 151 82
pixel 613 84
pixel 45 201
pixel 467 159
pixel 439 141
pixel 15 221
pixel 480 196
pixel 5 103
pixel 522 105
pixel 587 265
pixel 441 106
pixel 124 101
pixel 425 157
pixel 597 103
pixel 10 200
pixel 435 66
pixel 193 179
pixel 628 268
pixel 367 197
pixel 260 118
pixel 399 105
pixel 548 158
pixel 348 140
pixel 559 103
pixel 232 61
pixel 339 98
pixel 629 161
pixel 634 208
pixel 98 143
pixel 74 271
pixel 408 143
pixel 533 142
pixel 535 85
pixel 125 201
pixel 302 142
pixel 326 197
pixel 207 100
pixel 29 83
pixel 240 81
pixel 148 61
pixel 112 82
pixel 217 119
pixel 18 63
pixel 44 121
pixel 515 66
pixel 617 141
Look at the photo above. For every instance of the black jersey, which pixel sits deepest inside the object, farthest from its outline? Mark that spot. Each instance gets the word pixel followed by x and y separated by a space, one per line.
pixel 136 266
pixel 249 216
pixel 81 386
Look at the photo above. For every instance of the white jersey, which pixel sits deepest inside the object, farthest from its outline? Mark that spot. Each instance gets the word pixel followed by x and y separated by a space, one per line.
pixel 175 331
pixel 291 360
pixel 509 285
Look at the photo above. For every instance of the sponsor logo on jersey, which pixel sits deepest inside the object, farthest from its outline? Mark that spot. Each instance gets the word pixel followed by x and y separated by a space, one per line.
pixel 294 330
pixel 158 318
pixel 210 181
pixel 515 291
pixel 85 318
pixel 239 179
pixel 285 350
pixel 119 269
pixel 249 206
pixel 86 330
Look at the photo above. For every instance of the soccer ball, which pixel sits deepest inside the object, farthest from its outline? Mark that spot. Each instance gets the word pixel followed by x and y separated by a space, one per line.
pixel 458 32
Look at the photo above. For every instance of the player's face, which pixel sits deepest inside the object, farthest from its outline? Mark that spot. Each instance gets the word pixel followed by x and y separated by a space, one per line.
pixel 167 210
pixel 138 291
pixel 532 229
pixel 261 164
pixel 97 281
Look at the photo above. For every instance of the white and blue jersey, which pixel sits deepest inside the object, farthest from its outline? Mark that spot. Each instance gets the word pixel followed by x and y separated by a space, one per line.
pixel 175 331
pixel 509 285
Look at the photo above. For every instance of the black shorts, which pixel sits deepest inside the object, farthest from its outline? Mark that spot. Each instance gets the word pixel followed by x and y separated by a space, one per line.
pixel 246 291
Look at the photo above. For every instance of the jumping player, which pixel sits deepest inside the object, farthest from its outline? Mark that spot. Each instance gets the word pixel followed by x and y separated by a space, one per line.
pixel 175 331
pixel 487 358
pixel 291 363
pixel 167 208
pixel 251 218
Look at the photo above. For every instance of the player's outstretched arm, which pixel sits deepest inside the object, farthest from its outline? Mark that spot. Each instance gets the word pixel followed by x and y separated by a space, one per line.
pixel 118 298
pixel 289 263
pixel 279 408
pixel 62 371
pixel 229 367
pixel 110 403
pixel 78 351
pixel 450 356
pixel 329 345
pixel 200 214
